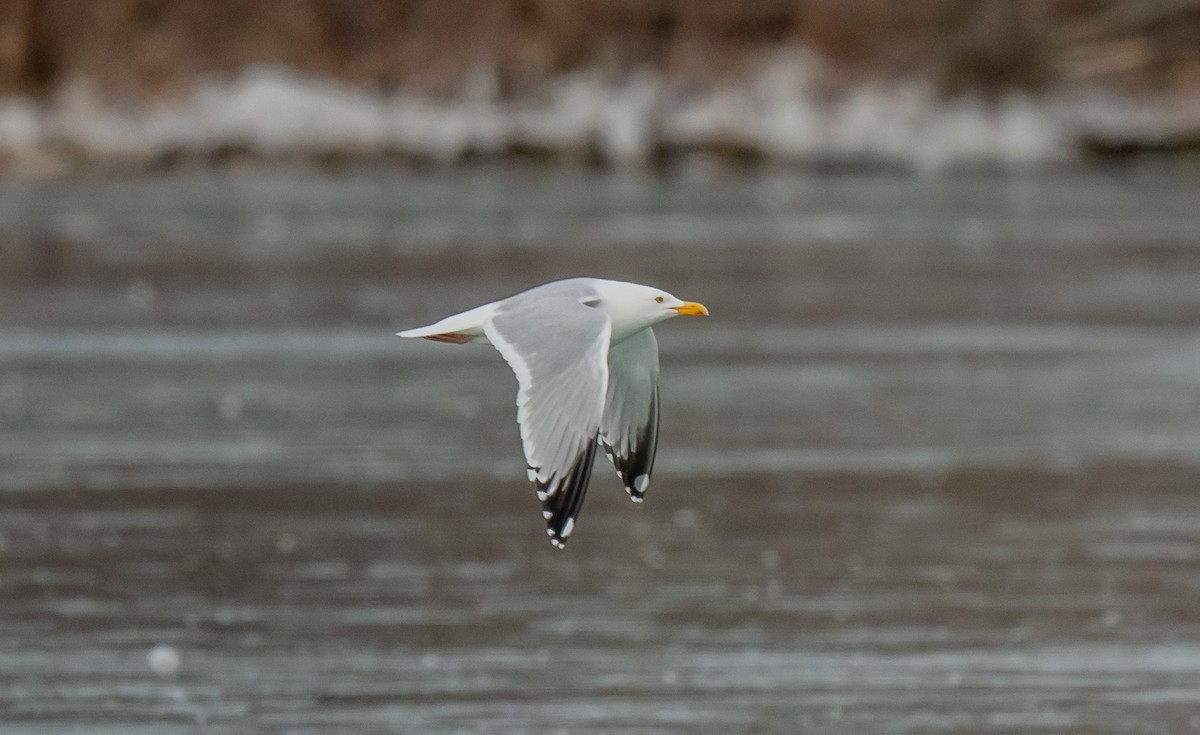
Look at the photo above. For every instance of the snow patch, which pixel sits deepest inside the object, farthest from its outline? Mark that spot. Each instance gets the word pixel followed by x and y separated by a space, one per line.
pixel 784 111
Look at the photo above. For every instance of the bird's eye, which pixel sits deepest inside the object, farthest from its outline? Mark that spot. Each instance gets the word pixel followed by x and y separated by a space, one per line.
pixel 658 299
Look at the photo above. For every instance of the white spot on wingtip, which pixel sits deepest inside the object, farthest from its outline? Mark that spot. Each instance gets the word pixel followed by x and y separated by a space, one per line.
pixel 531 473
pixel 568 527
pixel 546 514
pixel 637 498
pixel 550 532
pixel 542 496
pixel 641 482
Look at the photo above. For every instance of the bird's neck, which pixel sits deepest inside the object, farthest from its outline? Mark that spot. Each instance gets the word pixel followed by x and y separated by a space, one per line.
pixel 623 329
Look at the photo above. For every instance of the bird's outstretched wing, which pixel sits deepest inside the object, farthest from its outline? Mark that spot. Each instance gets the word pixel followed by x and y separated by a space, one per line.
pixel 558 349
pixel 629 426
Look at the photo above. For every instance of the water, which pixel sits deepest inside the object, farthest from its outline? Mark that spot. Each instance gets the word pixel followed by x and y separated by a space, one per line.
pixel 930 466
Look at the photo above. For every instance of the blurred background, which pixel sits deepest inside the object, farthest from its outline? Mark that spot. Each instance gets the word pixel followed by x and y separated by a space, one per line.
pixel 931 465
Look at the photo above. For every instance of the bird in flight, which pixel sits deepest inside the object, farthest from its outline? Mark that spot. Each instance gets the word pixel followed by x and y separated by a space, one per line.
pixel 587 372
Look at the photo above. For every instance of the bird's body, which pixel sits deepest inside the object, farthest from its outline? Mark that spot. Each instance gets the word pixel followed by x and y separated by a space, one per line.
pixel 586 363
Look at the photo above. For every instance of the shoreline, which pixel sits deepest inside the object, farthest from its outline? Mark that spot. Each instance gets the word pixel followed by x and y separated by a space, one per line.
pixel 782 113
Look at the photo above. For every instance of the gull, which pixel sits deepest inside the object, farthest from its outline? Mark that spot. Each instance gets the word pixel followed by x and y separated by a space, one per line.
pixel 586 363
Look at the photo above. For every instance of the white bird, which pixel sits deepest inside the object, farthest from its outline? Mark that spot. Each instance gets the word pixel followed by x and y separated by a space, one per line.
pixel 587 371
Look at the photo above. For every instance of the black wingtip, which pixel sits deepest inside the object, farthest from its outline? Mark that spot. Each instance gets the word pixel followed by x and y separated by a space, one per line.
pixel 634 469
pixel 635 466
pixel 562 500
pixel 637 488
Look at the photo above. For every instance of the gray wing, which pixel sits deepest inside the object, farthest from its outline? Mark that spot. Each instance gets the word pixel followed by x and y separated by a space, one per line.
pixel 558 349
pixel 629 427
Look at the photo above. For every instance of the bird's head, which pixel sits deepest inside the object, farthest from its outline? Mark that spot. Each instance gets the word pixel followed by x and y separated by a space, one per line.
pixel 633 307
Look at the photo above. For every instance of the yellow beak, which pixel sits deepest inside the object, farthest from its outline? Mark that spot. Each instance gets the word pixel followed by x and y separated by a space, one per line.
pixel 692 308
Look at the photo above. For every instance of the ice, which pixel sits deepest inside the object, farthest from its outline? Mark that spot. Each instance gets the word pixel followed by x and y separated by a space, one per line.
pixel 791 108
pixel 20 125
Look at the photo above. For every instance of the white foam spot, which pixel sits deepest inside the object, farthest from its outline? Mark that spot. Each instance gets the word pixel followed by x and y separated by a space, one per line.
pixel 163 660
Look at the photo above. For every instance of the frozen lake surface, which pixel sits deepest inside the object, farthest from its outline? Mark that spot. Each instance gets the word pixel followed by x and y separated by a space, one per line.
pixel 932 465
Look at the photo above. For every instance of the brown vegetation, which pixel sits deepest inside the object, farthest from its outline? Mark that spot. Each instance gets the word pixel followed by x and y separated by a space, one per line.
pixel 143 48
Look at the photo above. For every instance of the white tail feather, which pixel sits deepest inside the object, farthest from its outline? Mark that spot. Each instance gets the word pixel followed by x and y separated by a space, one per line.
pixel 468 323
